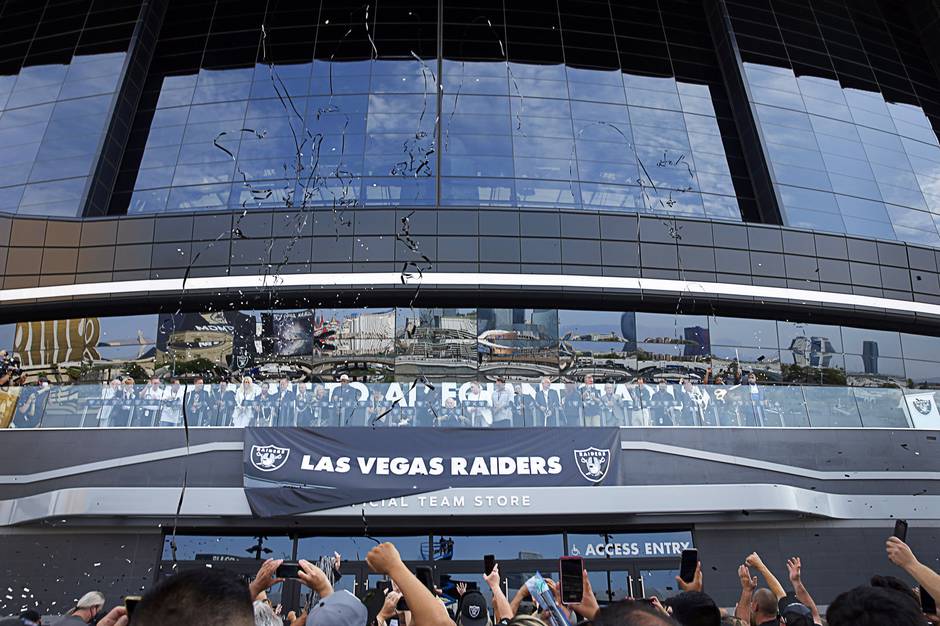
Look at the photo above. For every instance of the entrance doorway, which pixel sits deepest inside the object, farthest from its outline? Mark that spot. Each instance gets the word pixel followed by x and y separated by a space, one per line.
pixel 620 565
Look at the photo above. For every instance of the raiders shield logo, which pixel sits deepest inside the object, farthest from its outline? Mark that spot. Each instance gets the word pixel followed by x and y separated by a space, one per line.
pixel 269 458
pixel 474 611
pixel 922 405
pixel 593 463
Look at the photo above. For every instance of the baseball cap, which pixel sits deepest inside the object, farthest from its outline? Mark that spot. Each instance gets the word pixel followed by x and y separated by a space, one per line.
pixel 795 612
pixel 340 608
pixel 473 609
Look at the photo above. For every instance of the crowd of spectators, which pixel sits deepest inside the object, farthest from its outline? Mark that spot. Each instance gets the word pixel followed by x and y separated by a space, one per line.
pixel 215 596
pixel 124 403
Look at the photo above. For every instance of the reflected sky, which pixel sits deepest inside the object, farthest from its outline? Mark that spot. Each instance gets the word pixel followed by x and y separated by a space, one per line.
pixel 520 123
pixel 56 92
pixel 841 98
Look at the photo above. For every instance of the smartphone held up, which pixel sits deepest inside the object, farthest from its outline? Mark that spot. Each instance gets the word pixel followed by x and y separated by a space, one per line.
pixel 688 565
pixel 570 570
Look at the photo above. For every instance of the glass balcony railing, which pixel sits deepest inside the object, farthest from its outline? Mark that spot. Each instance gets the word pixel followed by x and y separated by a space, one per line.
pixel 468 404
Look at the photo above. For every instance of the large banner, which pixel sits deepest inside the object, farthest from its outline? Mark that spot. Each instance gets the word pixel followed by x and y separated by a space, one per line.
pixel 297 470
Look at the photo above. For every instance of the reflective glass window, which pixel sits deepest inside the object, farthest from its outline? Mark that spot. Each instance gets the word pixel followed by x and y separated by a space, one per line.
pixel 848 134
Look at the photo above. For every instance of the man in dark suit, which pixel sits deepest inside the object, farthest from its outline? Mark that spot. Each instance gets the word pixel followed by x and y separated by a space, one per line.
pixel 547 402
pixel 201 408
pixel 663 404
pixel 284 404
pixel 345 401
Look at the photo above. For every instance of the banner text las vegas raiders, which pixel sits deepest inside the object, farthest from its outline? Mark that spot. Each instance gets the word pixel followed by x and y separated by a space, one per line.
pixel 296 470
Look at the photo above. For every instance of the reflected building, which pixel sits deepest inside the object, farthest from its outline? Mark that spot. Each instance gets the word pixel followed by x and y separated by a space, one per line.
pixel 813 352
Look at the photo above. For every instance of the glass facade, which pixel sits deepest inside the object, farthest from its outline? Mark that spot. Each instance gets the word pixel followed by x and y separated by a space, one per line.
pixel 847 102
pixel 61 64
pixel 583 105
pixel 461 345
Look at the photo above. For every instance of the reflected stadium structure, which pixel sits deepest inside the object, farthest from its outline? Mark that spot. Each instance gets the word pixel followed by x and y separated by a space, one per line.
pixel 707 230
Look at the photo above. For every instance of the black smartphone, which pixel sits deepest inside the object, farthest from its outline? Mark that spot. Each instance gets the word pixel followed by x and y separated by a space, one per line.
pixel 287 569
pixel 927 604
pixel 688 565
pixel 426 576
pixel 900 529
pixel 130 603
pixel 570 570
pixel 489 561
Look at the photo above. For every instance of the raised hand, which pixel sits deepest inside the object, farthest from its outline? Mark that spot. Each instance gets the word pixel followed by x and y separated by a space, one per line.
pixel 748 582
pixel 696 584
pixel 264 579
pixel 793 567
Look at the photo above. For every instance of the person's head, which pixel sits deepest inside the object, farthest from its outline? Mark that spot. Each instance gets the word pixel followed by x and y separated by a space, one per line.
pixel 475 388
pixel 88 606
pixel 246 381
pixel 319 391
pixel 31 618
pixel 450 403
pixel 546 382
pixel 264 614
pixel 873 606
pixel 154 382
pixel 344 379
pixel 473 610
pixel 662 385
pixel 751 379
pixel 686 384
pixel 188 598
pixel 589 379
pixel 609 389
pixel 283 384
pixel 719 380
pixel 43 381
pixel 793 612
pixel 115 383
pixel 199 383
pixel 896 584
pixel 764 605
pixel 175 382
pixel 128 382
pixel 340 608
pixel 500 383
pixel 694 608
pixel 640 381
pixel 631 613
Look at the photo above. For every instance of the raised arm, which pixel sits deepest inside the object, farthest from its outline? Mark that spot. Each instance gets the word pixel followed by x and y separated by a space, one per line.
pixel 426 610
pixel 753 560
pixel 517 599
pixel 748 584
pixel 901 555
pixel 793 567
pixel 501 607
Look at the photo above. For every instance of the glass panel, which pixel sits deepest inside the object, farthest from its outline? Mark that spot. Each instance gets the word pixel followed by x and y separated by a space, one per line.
pixel 882 408
pixel 504 547
pixel 831 407
pixel 660 583
pixel 227 548
pixel 356 548
pixel 436 343
pixel 785 407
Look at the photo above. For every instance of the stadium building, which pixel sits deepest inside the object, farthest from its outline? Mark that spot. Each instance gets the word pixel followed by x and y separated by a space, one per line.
pixel 712 227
